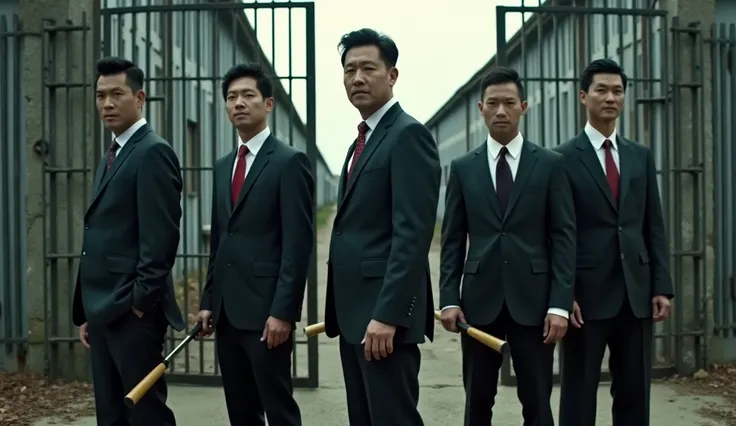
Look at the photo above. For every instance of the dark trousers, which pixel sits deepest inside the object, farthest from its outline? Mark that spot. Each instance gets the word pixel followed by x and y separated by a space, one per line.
pixel 122 353
pixel 256 380
pixel 532 361
pixel 629 340
pixel 383 392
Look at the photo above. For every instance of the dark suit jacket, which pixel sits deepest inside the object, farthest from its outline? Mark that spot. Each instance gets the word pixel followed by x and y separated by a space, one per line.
pixel 378 264
pixel 525 257
pixel 630 234
pixel 261 248
pixel 131 234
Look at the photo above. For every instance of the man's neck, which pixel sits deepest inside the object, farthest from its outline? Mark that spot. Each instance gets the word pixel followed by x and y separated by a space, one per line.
pixel 122 129
pixel 505 138
pixel 606 128
pixel 248 134
pixel 366 114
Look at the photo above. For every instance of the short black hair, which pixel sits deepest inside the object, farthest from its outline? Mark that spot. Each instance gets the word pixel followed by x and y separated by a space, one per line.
pixel 112 65
pixel 369 37
pixel 253 70
pixel 501 75
pixel 601 66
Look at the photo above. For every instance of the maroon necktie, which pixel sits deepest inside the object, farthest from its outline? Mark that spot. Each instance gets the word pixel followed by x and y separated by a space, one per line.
pixel 359 145
pixel 239 175
pixel 504 179
pixel 111 153
pixel 611 170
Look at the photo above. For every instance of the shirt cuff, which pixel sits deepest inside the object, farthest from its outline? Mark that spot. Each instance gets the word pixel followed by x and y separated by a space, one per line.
pixel 559 312
pixel 449 307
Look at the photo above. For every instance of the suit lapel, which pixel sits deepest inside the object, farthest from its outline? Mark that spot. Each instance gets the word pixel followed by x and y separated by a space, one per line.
pixel 119 160
pixel 343 175
pixel 527 161
pixel 98 176
pixel 225 175
pixel 484 172
pixel 260 162
pixel 378 135
pixel 625 157
pixel 591 163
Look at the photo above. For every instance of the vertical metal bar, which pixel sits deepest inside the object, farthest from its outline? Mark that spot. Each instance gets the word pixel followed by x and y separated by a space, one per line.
pixel 291 101
pixel 720 168
pixel 69 124
pixel 312 305
pixel 501 58
pixel 542 74
pixel 5 226
pixel 622 62
pixel 274 118
pixel 558 72
pixel 636 74
pixel 87 176
pixel 525 75
pixel 187 172
pixel 200 188
pixel 677 187
pixel 214 123
pixel 18 191
pixel 666 174
pixel 730 44
pixel 699 277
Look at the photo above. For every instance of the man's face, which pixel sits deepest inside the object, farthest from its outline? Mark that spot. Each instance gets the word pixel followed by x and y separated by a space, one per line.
pixel 118 106
pixel 245 104
pixel 502 108
pixel 605 97
pixel 368 82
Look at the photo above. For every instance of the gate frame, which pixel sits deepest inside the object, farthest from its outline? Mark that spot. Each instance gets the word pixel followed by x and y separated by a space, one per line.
pixel 667 171
pixel 100 30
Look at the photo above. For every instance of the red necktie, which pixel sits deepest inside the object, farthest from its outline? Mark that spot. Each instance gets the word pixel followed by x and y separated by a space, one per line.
pixel 239 176
pixel 359 145
pixel 611 169
pixel 111 153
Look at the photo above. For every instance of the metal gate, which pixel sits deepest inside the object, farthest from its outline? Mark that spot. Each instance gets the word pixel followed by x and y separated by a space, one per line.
pixel 184 48
pixel 550 51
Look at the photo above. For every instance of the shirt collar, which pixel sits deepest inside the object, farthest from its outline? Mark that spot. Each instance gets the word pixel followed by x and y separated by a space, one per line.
pixel 597 138
pixel 376 117
pixel 514 147
pixel 129 132
pixel 255 143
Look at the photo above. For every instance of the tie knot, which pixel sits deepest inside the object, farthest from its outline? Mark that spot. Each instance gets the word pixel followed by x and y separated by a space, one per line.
pixel 363 127
pixel 503 152
pixel 243 151
pixel 607 144
pixel 114 145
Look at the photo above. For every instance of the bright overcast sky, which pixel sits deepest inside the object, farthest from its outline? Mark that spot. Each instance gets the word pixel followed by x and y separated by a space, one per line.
pixel 441 45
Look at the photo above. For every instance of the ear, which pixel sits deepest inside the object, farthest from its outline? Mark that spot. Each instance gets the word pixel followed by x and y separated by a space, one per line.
pixel 393 75
pixel 140 98
pixel 524 106
pixel 582 96
pixel 480 106
pixel 269 104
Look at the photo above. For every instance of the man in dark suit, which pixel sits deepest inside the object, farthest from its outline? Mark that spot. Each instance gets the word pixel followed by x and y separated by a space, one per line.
pixel 511 198
pixel 379 295
pixel 262 235
pixel 622 281
pixel 124 297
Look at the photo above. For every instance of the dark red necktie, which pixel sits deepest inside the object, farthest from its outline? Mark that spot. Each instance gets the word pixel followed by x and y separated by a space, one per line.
pixel 504 179
pixel 611 169
pixel 239 175
pixel 359 145
pixel 111 153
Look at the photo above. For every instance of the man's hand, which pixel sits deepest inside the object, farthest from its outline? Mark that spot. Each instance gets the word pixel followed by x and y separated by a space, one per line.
pixel 83 335
pixel 660 308
pixel 378 341
pixel 577 315
pixel 450 317
pixel 555 328
pixel 137 312
pixel 275 332
pixel 204 317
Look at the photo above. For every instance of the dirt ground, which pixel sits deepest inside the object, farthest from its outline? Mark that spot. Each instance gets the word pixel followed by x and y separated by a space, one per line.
pixel 706 400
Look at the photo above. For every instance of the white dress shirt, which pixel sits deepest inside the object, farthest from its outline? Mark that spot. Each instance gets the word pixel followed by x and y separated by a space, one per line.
pixel 512 158
pixel 596 139
pixel 373 121
pixel 127 134
pixel 254 145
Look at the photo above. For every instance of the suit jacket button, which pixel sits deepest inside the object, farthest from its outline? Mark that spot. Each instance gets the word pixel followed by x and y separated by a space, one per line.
pixel 230 233
pixel 622 256
pixel 228 265
pixel 86 227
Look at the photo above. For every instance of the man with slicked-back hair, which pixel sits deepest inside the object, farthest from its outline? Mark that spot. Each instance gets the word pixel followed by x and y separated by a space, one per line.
pixel 124 298
pixel 379 295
